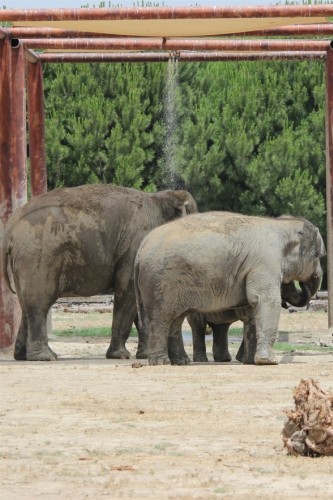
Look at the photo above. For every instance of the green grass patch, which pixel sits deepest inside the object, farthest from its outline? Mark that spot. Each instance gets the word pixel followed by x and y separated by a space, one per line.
pixel 286 347
pixel 92 332
pixel 105 332
pixel 235 332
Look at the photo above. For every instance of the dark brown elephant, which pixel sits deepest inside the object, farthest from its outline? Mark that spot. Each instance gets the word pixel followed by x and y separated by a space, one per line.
pixel 81 241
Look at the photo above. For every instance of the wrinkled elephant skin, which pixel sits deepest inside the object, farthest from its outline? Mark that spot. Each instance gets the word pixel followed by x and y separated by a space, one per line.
pixel 219 261
pixel 220 321
pixel 81 241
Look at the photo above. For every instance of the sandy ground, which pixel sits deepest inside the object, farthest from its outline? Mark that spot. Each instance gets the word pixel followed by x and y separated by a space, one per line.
pixel 88 428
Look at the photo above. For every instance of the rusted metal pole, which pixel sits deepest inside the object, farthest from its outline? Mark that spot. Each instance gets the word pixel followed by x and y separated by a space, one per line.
pixel 123 43
pixel 112 43
pixel 23 32
pixel 88 57
pixel 329 181
pixel 77 57
pixel 144 13
pixel 19 141
pixel 36 123
pixel 9 308
pixel 31 56
pixel 291 30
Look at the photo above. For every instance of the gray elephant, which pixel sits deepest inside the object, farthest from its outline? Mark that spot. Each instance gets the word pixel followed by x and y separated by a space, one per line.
pixel 220 321
pixel 220 261
pixel 81 241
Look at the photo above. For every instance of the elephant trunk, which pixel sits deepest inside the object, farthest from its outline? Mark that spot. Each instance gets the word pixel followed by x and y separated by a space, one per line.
pixel 301 298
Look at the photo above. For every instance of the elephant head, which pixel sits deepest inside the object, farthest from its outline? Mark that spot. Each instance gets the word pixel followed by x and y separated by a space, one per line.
pixel 299 298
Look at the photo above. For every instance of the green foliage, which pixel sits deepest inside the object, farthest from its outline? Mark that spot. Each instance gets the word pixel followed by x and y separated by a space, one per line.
pixel 249 136
pixel 100 125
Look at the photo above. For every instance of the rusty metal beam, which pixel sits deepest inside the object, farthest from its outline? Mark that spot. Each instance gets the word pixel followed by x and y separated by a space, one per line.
pixel 166 13
pixel 36 123
pixel 79 57
pixel 68 57
pixel 9 308
pixel 291 30
pixel 31 56
pixel 22 32
pixel 247 56
pixel 123 43
pixel 329 181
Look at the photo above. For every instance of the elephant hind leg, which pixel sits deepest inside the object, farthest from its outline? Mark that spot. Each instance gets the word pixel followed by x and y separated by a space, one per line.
pixel 177 353
pixel 37 344
pixel 158 336
pixel 124 313
pixel 20 349
pixel 32 342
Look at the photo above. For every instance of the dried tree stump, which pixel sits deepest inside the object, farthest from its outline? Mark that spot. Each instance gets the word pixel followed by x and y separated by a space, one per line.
pixel 309 428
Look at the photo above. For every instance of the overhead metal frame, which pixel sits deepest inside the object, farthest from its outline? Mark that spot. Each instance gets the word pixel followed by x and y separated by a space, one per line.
pixel 18 55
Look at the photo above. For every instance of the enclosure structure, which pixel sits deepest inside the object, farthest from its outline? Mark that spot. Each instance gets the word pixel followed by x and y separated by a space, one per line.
pixel 37 37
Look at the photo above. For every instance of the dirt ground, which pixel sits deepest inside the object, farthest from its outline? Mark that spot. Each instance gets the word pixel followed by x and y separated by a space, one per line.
pixel 88 428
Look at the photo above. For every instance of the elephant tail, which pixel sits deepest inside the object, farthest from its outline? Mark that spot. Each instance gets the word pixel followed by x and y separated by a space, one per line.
pixel 139 305
pixel 6 262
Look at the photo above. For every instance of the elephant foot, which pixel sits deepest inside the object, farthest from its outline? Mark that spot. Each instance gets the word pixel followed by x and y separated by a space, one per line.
pixel 184 360
pixel 265 357
pixel 158 360
pixel 200 358
pixel 250 361
pixel 222 359
pixel 141 354
pixel 121 353
pixel 20 353
pixel 45 354
pixel 239 358
pixel 246 360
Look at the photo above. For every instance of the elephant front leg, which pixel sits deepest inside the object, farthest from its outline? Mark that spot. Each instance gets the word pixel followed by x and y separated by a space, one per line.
pixel 198 327
pixel 248 347
pixel 267 320
pixel 220 342
pixel 263 294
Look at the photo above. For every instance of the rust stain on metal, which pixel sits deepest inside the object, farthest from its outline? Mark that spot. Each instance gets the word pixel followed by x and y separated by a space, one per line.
pixel 123 43
pixel 190 56
pixel 329 180
pixel 37 148
pixel 9 308
pixel 166 13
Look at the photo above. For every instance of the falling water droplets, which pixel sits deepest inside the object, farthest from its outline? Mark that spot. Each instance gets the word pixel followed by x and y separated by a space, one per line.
pixel 171 122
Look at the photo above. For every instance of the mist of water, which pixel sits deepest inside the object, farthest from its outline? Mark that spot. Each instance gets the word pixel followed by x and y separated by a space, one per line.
pixel 171 124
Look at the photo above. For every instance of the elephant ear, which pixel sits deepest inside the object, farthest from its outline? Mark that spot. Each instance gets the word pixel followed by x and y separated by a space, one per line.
pixel 320 244
pixel 183 208
pixel 174 204
pixel 290 247
pixel 185 204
